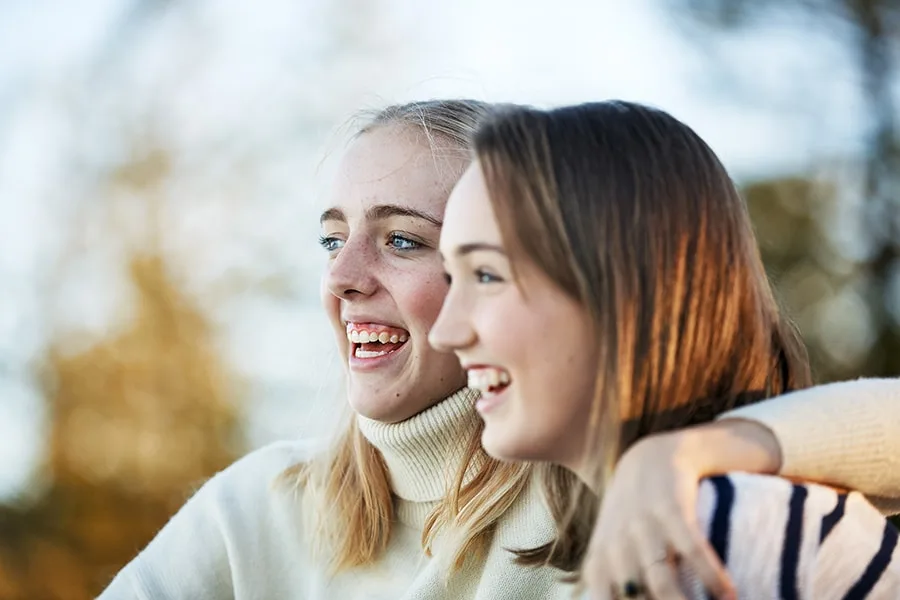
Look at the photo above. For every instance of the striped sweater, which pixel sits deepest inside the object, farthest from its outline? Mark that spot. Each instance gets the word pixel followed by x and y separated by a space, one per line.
pixel 789 541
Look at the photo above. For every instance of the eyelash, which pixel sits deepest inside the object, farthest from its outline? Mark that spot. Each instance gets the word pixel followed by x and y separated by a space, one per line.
pixel 394 237
pixel 327 242
pixel 481 276
pixel 330 243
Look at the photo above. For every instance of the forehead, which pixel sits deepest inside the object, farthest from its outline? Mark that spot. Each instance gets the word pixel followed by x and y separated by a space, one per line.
pixel 469 217
pixel 394 164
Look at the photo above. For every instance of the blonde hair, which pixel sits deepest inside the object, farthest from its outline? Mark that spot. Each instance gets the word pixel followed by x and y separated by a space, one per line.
pixel 629 212
pixel 347 489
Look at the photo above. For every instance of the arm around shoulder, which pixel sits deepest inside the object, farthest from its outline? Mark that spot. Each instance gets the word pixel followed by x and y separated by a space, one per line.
pixel 846 434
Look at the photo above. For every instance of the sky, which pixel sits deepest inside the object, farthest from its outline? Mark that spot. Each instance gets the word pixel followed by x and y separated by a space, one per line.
pixel 223 80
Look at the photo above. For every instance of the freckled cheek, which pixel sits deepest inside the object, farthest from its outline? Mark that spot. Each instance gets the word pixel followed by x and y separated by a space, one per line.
pixel 423 300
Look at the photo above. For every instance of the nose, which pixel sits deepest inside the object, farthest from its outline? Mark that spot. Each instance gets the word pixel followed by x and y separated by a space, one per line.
pixel 351 273
pixel 452 331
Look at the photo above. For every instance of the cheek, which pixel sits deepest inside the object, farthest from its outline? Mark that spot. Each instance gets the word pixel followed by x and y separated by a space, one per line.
pixel 421 301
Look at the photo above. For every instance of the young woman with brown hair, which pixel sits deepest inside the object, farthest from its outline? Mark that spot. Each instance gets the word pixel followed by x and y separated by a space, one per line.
pixel 605 286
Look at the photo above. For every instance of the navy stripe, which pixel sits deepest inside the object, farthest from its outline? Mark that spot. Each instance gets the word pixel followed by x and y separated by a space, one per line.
pixel 720 527
pixel 790 552
pixel 877 566
pixel 833 518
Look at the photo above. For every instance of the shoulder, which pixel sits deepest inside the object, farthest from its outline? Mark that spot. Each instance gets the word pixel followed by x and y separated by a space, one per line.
pixel 761 504
pixel 773 533
pixel 256 476
pixel 745 495
pixel 269 461
pixel 232 520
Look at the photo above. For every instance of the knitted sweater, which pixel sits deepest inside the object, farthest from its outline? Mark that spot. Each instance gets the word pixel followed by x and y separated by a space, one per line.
pixel 846 434
pixel 241 537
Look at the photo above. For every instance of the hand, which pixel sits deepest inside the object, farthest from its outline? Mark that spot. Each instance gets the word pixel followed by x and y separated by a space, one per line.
pixel 647 524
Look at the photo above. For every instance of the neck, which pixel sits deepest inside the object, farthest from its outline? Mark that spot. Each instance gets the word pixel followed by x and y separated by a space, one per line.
pixel 425 452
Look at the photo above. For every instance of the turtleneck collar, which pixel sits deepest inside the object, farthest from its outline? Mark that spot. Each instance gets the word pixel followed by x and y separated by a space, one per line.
pixel 423 453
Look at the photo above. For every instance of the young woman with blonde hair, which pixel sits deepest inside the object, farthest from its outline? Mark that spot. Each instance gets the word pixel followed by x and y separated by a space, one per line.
pixel 405 504
pixel 606 286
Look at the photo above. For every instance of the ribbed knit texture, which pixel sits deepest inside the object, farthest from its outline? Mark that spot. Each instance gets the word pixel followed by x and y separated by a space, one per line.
pixel 423 453
pixel 846 434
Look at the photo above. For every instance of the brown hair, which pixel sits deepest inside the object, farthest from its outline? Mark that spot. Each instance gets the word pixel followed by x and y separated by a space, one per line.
pixel 629 212
pixel 350 505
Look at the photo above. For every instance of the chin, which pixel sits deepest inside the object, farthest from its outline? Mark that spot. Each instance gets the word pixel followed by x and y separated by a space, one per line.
pixel 388 406
pixel 375 408
pixel 502 447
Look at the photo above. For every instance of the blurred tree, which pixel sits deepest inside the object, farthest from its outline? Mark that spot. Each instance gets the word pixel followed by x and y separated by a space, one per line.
pixel 137 419
pixel 871 30
pixel 138 416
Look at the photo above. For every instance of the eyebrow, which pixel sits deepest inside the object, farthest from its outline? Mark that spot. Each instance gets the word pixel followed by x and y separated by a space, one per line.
pixel 332 214
pixel 479 246
pixel 380 212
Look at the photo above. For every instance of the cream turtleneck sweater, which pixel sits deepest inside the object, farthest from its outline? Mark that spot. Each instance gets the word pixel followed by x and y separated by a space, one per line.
pixel 240 536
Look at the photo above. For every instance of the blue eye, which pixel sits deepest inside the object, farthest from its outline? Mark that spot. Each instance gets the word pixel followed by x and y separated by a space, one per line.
pixel 483 276
pixel 330 244
pixel 399 242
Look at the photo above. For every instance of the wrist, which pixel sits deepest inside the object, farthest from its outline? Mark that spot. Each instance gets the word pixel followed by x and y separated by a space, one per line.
pixel 727 445
pixel 759 443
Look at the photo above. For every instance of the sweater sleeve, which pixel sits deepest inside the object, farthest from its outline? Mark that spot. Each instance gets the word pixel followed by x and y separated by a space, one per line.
pixel 846 434
pixel 201 552
pixel 784 540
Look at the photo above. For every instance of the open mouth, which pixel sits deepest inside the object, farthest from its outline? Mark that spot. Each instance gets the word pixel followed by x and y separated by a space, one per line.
pixel 488 380
pixel 370 340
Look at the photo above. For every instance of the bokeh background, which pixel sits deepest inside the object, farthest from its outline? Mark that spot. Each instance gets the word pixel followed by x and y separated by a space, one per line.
pixel 160 183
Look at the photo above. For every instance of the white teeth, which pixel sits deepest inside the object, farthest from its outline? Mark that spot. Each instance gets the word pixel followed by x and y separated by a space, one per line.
pixel 360 353
pixel 487 378
pixel 371 337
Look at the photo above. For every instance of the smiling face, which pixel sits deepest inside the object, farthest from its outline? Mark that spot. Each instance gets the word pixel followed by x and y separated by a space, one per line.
pixel 384 283
pixel 523 342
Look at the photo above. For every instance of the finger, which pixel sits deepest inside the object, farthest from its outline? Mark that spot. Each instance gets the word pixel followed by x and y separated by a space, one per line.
pixel 661 581
pixel 626 578
pixel 658 569
pixel 698 554
pixel 595 577
pixel 601 594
